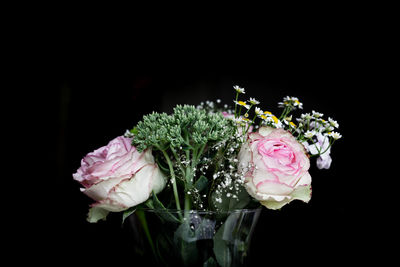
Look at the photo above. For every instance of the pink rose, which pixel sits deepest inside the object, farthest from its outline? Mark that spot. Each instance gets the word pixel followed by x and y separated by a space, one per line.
pixel 276 167
pixel 118 177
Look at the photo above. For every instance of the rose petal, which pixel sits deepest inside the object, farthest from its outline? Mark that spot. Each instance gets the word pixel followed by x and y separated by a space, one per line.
pixel 274 188
pixel 137 189
pixel 97 213
pixel 101 190
pixel 265 131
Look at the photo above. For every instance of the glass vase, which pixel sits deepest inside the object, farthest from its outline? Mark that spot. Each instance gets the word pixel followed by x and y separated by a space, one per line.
pixel 192 237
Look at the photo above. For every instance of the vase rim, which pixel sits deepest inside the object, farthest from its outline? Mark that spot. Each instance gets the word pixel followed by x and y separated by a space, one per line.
pixel 201 211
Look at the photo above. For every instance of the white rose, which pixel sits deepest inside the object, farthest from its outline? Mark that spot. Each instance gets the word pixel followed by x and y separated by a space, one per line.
pixel 118 177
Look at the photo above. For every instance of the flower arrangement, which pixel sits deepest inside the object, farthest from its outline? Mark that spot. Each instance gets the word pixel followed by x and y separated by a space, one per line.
pixel 209 158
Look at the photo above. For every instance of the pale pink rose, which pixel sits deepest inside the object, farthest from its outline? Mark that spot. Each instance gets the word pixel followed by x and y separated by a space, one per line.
pixel 275 167
pixel 118 177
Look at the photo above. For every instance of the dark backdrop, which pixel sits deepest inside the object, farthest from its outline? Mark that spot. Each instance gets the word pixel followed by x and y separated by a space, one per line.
pixel 88 97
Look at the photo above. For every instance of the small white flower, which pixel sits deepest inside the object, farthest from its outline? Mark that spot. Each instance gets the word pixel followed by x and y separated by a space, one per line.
pixel 272 120
pixel 242 103
pixel 287 119
pixel 128 134
pixel 329 128
pixel 335 135
pixel 333 123
pixel 317 114
pixel 297 103
pixel 253 101
pixel 258 111
pixel 304 117
pixel 309 134
pixel 290 101
pixel 238 89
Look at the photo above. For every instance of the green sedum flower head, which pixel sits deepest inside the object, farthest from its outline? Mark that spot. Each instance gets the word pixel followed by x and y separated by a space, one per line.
pixel 186 127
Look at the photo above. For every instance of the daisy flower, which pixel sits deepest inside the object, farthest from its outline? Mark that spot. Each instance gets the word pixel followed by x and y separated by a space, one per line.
pixel 258 111
pixel 333 123
pixel 253 101
pixel 241 103
pixel 317 114
pixel 238 89
pixel 335 135
pixel 290 101
pixel 309 134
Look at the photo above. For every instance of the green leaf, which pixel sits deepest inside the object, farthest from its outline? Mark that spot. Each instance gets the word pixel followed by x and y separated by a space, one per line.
pixel 221 249
pixel 163 212
pixel 201 183
pixel 189 233
pixel 210 263
pixel 127 213
pixel 160 164
pixel 163 247
pixel 229 203
pixel 134 131
pixel 185 240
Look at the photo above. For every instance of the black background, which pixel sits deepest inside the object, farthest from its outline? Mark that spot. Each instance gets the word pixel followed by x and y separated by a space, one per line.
pixel 90 88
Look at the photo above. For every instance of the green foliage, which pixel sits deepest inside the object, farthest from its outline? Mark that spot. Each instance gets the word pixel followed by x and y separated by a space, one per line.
pixel 229 203
pixel 201 183
pixel 210 263
pixel 127 213
pixel 221 248
pixel 163 212
pixel 186 127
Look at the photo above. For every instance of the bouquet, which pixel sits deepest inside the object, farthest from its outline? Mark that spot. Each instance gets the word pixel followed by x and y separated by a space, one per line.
pixel 210 158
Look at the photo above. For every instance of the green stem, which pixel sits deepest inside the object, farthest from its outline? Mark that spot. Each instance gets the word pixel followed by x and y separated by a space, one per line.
pixel 187 202
pixel 143 221
pixel 285 112
pixel 188 171
pixel 177 159
pixel 330 144
pixel 198 154
pixel 249 124
pixel 237 96
pixel 173 180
